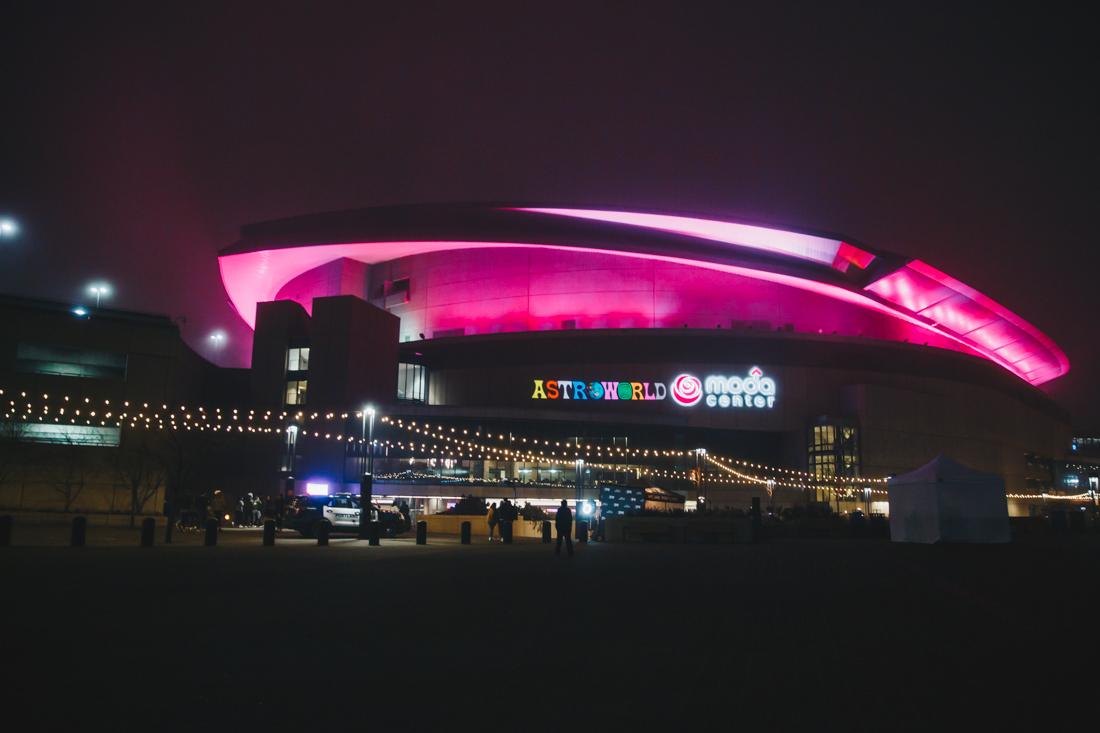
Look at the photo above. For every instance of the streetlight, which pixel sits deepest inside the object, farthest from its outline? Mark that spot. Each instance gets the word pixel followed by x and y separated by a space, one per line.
pixel 291 440
pixel 700 464
pixel 366 483
pixel 99 290
pixel 9 229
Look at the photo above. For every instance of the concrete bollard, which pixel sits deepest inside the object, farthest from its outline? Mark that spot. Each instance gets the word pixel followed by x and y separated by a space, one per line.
pixel 79 533
pixel 546 532
pixel 582 531
pixel 464 533
pixel 5 530
pixel 211 538
pixel 148 527
pixel 374 531
pixel 322 534
pixel 506 532
pixel 421 532
pixel 269 533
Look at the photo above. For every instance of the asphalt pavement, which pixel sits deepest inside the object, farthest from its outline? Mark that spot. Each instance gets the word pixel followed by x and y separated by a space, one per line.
pixel 783 635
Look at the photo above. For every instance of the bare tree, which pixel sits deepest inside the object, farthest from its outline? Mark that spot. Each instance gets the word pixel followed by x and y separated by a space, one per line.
pixel 70 471
pixel 12 447
pixel 140 466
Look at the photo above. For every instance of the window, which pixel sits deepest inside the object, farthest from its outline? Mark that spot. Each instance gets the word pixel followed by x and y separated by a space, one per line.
pixel 833 449
pixel 62 362
pixel 297 359
pixel 68 434
pixel 296 392
pixel 412 382
pixel 395 292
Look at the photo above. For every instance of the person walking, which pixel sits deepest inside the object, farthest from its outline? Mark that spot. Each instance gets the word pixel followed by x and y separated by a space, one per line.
pixel 564 522
pixel 507 514
pixel 492 517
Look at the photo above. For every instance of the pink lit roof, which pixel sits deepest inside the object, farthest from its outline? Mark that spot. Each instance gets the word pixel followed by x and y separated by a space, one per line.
pixel 914 293
pixel 773 241
pixel 975 319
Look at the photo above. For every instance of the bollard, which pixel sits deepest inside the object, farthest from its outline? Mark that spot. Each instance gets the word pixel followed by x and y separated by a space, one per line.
pixel 582 532
pixel 269 533
pixel 421 532
pixel 148 527
pixel 506 532
pixel 5 530
pixel 211 538
pixel 322 534
pixel 80 531
pixel 546 532
pixel 464 533
pixel 374 529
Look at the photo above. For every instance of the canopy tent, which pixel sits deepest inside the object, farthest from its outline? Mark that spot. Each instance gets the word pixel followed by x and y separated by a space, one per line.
pixel 945 501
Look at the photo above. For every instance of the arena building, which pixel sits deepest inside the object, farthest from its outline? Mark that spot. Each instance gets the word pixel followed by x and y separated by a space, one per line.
pixel 620 331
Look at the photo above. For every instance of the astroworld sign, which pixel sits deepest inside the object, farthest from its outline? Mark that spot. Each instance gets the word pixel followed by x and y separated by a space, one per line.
pixel 753 390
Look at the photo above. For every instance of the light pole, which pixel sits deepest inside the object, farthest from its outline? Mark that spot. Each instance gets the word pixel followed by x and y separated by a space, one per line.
pixel 700 463
pixel 291 440
pixel 366 483
pixel 99 290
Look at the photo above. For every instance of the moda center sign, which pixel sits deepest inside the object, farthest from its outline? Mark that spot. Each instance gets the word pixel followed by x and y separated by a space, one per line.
pixel 753 390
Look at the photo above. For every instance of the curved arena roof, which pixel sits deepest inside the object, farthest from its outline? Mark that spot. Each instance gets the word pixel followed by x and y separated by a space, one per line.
pixel 926 300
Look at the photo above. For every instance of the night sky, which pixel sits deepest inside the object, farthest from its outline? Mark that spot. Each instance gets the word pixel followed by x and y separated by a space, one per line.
pixel 138 137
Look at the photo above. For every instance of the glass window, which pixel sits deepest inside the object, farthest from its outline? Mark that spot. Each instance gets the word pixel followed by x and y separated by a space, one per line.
pixel 296 392
pixel 833 450
pixel 62 362
pixel 68 434
pixel 297 359
pixel 412 382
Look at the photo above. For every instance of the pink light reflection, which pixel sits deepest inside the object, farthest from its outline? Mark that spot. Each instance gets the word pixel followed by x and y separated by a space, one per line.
pixel 254 277
pixel 792 244
pixel 991 329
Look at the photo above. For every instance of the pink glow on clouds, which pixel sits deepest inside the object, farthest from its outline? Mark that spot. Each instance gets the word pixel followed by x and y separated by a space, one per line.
pixel 791 244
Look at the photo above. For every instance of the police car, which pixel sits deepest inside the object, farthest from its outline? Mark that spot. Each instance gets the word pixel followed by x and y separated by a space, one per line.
pixel 340 512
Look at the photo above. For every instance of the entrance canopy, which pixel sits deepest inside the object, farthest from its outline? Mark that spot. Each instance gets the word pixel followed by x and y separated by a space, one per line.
pixel 945 501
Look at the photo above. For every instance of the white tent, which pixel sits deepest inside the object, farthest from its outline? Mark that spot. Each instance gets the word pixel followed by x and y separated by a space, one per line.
pixel 946 501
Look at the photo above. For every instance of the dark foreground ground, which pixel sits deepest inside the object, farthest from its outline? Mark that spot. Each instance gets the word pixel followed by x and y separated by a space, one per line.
pixel 796 634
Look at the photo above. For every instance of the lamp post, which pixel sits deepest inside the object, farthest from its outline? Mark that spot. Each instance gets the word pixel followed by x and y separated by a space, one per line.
pixel 100 291
pixel 291 440
pixel 700 486
pixel 366 483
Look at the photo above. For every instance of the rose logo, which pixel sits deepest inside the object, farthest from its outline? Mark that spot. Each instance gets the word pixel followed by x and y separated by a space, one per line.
pixel 686 390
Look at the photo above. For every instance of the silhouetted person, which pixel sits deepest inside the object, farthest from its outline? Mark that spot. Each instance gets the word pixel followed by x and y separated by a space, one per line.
pixel 564 522
pixel 404 509
pixel 492 518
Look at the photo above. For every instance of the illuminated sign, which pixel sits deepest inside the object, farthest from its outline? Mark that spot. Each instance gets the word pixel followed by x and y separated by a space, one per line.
pixel 569 389
pixel 753 390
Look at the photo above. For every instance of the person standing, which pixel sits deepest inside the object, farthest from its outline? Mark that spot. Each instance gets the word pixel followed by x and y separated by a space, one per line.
pixel 564 522
pixel 405 515
pixel 492 517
